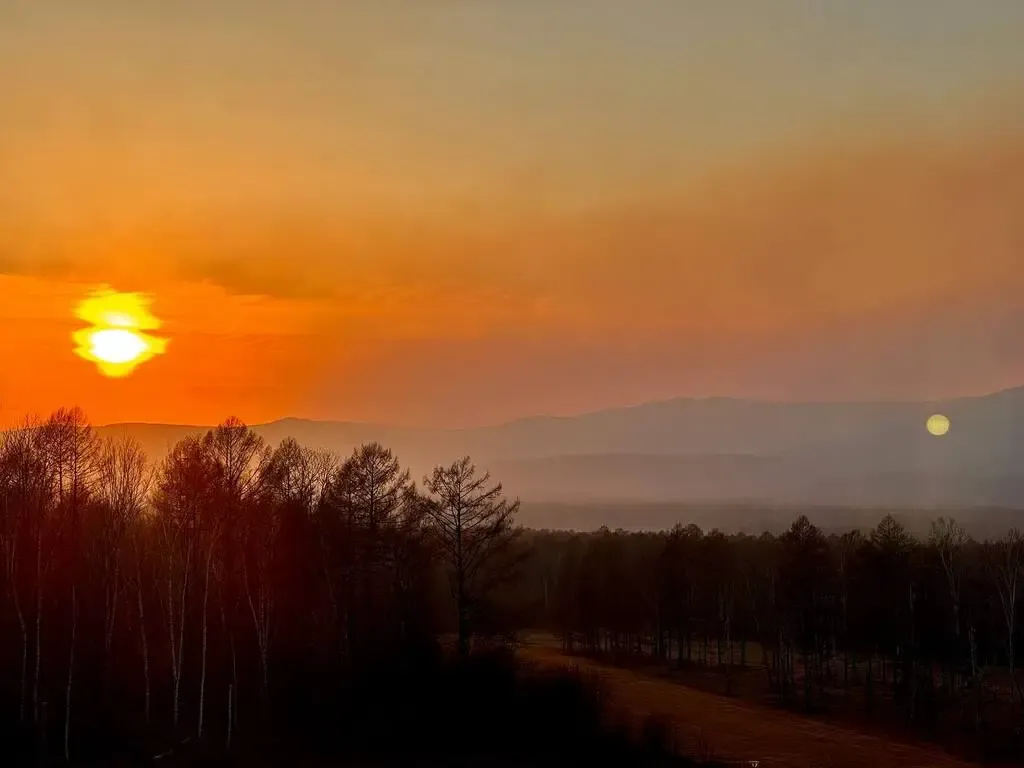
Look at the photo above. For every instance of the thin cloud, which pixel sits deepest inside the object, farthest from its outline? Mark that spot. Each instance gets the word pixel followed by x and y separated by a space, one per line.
pixel 816 238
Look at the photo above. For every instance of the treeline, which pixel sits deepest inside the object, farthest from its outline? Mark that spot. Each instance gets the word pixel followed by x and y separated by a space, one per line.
pixel 925 629
pixel 234 590
pixel 237 593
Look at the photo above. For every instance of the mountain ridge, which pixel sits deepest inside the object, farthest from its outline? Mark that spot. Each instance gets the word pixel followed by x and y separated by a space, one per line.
pixel 710 449
pixel 1007 391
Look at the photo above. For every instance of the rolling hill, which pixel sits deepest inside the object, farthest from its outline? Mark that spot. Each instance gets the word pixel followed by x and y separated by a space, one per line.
pixel 714 450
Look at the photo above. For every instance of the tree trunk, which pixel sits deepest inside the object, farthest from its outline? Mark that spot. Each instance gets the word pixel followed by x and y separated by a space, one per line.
pixel 177 657
pixel 461 599
pixel 869 686
pixel 332 595
pixel 545 577
pixel 260 611
pixel 791 665
pixel 975 678
pixel 145 642
pixel 110 621
pixel 39 625
pixel 234 676
pixel 823 670
pixel 1011 663
pixel 807 682
pixel 202 673
pixel 23 686
pixel 233 711
pixel 728 658
pixel 227 741
pixel 768 661
pixel 71 673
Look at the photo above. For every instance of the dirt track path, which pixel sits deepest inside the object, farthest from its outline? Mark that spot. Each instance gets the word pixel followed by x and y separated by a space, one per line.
pixel 738 731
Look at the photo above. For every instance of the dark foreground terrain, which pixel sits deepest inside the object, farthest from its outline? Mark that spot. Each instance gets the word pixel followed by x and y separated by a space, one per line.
pixel 421 711
pixel 735 731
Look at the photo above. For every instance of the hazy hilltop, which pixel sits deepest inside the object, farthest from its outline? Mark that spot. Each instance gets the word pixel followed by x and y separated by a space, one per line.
pixel 714 450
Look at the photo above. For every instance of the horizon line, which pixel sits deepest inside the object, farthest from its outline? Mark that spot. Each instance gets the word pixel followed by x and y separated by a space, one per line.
pixel 582 414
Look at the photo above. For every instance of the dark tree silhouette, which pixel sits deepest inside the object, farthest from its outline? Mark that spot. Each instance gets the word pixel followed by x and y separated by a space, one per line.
pixel 473 524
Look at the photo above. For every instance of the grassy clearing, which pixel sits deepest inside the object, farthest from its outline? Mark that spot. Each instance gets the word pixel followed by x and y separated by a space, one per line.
pixel 709 725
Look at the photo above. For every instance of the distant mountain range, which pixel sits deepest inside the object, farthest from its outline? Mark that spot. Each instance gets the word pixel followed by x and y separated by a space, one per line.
pixel 715 450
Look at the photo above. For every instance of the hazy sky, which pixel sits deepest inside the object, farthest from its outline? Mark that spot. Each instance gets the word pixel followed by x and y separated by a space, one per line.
pixel 456 212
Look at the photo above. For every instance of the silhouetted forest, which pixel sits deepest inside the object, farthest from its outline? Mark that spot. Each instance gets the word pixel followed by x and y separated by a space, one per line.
pixel 247 600
pixel 918 633
pixel 241 598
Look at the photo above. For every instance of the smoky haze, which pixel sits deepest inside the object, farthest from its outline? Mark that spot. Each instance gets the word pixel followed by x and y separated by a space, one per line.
pixel 714 450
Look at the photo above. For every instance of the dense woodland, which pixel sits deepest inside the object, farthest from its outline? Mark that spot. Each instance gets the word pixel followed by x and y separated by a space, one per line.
pixel 921 633
pixel 238 595
pixel 236 592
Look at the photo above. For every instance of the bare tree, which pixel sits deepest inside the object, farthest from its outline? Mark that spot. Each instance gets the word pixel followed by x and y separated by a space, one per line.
pixel 474 525
pixel 948 538
pixel 242 458
pixel 122 489
pixel 71 449
pixel 366 500
pixel 726 606
pixel 261 533
pixel 25 489
pixel 143 558
pixel 42 514
pixel 302 474
pixel 1006 558
pixel 186 486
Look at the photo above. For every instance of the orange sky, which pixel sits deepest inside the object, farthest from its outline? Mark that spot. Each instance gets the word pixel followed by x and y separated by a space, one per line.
pixel 449 227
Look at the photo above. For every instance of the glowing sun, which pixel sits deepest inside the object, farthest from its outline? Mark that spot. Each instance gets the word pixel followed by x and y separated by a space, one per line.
pixel 937 425
pixel 116 339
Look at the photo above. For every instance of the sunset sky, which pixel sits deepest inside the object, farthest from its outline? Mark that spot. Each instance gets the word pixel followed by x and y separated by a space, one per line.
pixel 455 212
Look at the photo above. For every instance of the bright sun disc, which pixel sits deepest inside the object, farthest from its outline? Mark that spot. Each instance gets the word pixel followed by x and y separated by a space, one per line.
pixel 937 425
pixel 116 345
pixel 116 340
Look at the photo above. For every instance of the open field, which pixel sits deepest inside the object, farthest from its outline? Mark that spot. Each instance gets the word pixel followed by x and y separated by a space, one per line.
pixel 729 729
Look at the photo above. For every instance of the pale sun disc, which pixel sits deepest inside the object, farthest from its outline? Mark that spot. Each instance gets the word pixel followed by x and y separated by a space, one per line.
pixel 937 425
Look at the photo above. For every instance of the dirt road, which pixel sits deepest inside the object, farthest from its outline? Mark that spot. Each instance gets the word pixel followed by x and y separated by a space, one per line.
pixel 738 732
